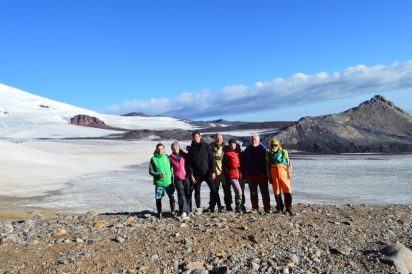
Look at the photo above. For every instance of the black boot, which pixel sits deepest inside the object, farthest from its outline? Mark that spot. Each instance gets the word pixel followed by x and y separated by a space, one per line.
pixel 172 205
pixel 238 202
pixel 159 208
pixel 279 203
pixel 288 203
pixel 242 204
pixel 229 207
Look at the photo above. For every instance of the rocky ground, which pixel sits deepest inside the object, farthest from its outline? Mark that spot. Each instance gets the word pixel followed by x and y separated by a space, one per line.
pixel 319 239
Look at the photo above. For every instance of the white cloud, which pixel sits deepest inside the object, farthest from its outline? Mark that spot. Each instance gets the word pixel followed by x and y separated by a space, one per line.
pixel 297 90
pixel 234 92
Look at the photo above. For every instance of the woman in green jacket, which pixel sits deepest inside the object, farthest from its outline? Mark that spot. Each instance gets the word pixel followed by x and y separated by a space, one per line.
pixel 161 171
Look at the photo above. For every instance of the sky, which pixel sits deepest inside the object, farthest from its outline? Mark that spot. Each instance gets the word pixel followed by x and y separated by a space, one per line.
pixel 236 59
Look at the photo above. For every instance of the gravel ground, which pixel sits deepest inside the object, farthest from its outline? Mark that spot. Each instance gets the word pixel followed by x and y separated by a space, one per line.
pixel 319 239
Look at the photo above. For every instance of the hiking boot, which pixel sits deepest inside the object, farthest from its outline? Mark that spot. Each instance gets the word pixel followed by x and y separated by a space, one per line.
pixel 243 208
pixel 255 210
pixel 199 211
pixel 279 202
pixel 208 210
pixel 184 216
pixel 229 207
pixel 159 216
pixel 238 210
pixel 221 209
pixel 290 213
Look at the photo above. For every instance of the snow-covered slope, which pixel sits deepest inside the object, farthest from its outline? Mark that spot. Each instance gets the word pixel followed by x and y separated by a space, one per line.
pixel 25 116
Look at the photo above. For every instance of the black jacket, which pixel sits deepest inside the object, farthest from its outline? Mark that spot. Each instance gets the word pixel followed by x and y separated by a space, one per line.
pixel 254 160
pixel 201 159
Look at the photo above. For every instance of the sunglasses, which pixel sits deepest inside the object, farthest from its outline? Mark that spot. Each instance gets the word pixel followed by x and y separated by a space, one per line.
pixel 275 145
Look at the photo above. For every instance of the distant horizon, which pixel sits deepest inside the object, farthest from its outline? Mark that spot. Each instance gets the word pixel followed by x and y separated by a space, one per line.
pixel 233 60
pixel 217 119
pixel 342 108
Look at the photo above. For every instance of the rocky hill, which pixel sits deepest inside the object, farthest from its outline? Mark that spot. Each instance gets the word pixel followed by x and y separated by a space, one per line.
pixel 91 121
pixel 376 125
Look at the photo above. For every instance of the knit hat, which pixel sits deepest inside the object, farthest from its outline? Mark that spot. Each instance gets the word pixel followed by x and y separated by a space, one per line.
pixel 232 141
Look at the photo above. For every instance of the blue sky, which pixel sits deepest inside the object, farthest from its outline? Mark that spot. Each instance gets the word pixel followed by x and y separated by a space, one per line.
pixel 238 60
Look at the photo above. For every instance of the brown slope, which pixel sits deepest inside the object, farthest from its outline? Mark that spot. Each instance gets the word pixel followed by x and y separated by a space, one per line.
pixel 376 125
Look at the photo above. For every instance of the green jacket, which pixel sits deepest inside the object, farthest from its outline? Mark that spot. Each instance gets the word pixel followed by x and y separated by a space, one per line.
pixel 159 164
pixel 279 157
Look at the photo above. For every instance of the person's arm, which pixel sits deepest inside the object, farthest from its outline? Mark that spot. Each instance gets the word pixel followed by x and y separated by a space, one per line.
pixel 269 173
pixel 243 162
pixel 152 170
pixel 172 173
pixel 266 162
pixel 289 165
pixel 238 153
pixel 285 156
pixel 189 166
pixel 212 162
pixel 224 162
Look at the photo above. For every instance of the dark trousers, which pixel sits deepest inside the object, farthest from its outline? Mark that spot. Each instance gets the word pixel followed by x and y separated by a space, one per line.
pixel 220 179
pixel 214 194
pixel 183 195
pixel 227 192
pixel 254 198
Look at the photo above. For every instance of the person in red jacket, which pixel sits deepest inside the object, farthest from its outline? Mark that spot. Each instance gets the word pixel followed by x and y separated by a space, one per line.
pixel 231 164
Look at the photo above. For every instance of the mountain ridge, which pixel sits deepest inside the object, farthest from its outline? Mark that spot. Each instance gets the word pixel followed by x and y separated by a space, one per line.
pixel 27 116
pixel 376 125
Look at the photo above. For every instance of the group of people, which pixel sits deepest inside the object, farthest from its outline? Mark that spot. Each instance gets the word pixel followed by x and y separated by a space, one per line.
pixel 223 165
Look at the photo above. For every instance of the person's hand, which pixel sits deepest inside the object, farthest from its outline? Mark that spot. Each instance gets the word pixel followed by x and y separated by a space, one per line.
pixel 162 175
pixel 213 176
pixel 192 179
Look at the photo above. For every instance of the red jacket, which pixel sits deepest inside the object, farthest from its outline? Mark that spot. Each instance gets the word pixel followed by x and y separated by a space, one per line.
pixel 232 164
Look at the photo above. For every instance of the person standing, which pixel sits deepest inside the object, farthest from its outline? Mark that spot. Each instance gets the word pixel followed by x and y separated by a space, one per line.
pixel 219 152
pixel 279 171
pixel 202 168
pixel 178 160
pixel 254 167
pixel 161 171
pixel 231 162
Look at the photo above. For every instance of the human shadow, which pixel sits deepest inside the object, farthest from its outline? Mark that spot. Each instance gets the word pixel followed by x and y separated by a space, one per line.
pixel 144 214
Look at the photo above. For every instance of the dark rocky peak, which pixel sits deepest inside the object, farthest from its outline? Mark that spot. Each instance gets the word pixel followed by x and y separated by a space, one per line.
pixel 377 99
pixel 91 121
pixel 376 125
pixel 87 121
pixel 377 102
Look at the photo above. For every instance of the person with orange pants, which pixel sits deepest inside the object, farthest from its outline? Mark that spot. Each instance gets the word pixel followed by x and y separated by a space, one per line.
pixel 279 171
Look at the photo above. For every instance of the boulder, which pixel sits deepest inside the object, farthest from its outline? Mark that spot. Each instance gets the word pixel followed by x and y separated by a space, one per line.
pixel 398 255
pixel 87 121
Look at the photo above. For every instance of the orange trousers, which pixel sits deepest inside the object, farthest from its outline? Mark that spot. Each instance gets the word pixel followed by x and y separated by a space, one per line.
pixel 280 179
